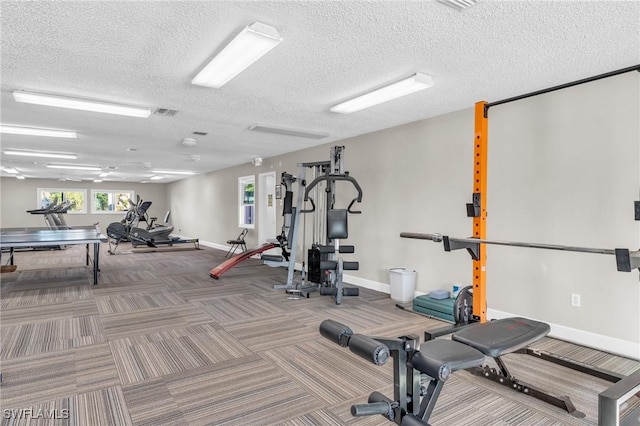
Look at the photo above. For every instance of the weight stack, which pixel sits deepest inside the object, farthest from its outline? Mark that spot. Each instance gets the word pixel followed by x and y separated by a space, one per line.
pixel 314 273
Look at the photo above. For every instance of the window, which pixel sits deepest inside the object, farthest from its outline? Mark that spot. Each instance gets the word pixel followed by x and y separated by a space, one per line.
pixel 110 201
pixel 74 197
pixel 246 204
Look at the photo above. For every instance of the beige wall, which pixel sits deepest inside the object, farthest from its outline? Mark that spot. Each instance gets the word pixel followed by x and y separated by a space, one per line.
pixel 18 196
pixel 564 168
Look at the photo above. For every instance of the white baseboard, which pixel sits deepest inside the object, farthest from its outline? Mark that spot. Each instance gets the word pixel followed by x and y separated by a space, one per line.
pixel 372 285
pixel 585 338
pixel 581 337
pixel 214 245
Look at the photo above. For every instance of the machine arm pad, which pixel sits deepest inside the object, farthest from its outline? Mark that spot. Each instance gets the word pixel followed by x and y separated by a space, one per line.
pixel 369 349
pixel 336 332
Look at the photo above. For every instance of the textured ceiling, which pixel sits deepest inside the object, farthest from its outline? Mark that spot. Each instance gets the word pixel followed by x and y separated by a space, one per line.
pixel 146 53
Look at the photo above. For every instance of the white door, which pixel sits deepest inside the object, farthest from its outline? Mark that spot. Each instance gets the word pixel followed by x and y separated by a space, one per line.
pixel 266 195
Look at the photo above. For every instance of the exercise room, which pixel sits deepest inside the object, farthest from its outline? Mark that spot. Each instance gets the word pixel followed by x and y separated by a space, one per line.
pixel 320 213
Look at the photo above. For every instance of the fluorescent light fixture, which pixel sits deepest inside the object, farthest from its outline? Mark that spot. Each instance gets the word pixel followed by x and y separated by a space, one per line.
pixel 171 172
pixel 459 4
pixel 41 154
pixel 64 166
pixel 81 104
pixel 287 131
pixel 404 87
pixel 11 170
pixel 253 42
pixel 156 177
pixel 20 177
pixel 37 131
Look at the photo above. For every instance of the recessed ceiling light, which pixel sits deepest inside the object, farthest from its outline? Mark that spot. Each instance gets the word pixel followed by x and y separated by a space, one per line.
pixel 80 104
pixel 172 172
pixel 71 167
pixel 10 170
pixel 20 177
pixel 104 174
pixel 189 142
pixel 41 154
pixel 156 177
pixel 37 131
pixel 97 180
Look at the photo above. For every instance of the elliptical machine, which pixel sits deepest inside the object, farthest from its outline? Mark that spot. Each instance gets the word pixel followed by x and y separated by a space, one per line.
pixel 128 228
pixel 153 235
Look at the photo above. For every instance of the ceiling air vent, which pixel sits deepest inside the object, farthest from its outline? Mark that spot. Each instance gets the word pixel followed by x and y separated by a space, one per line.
pixel 165 112
pixel 459 4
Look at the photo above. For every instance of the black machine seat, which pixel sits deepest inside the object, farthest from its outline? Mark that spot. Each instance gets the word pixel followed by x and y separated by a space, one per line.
pixel 439 358
pixel 499 337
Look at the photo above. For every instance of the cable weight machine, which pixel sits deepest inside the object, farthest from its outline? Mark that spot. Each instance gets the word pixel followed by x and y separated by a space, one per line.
pixel 323 272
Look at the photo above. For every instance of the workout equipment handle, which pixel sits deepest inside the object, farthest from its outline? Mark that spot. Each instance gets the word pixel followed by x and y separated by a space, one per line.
pixel 333 178
pixel 439 238
pixel 626 260
pixel 313 206
pixel 433 237
pixel 372 409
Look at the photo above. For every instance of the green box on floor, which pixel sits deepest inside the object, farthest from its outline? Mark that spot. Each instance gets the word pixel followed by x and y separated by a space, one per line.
pixel 442 308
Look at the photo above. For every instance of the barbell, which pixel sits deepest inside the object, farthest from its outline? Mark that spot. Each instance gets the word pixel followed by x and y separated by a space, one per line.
pixel 626 260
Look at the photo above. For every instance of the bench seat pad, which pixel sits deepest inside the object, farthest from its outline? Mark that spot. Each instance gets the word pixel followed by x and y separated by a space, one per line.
pixel 441 357
pixel 503 336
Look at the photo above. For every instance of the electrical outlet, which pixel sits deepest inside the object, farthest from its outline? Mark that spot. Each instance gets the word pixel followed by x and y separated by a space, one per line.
pixel 575 300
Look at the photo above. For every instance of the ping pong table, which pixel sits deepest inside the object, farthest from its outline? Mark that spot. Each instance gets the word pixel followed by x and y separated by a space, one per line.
pixel 37 238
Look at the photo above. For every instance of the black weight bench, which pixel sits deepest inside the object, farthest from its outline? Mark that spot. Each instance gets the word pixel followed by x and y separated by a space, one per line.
pixel 505 336
pixel 435 359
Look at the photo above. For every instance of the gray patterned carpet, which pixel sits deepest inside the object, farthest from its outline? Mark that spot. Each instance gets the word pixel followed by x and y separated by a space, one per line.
pixel 159 342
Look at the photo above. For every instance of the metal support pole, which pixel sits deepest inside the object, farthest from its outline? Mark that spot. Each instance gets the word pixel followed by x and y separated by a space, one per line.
pixel 295 222
pixel 480 146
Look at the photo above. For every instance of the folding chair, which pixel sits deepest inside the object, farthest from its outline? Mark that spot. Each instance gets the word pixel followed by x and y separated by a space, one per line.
pixel 237 243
